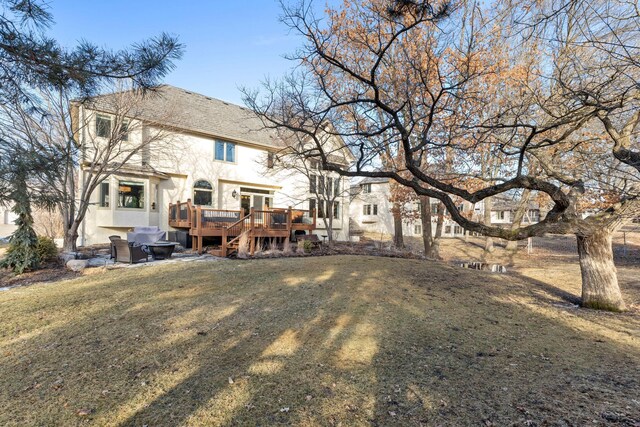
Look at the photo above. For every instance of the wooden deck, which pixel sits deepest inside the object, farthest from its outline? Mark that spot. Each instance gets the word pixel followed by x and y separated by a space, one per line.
pixel 229 225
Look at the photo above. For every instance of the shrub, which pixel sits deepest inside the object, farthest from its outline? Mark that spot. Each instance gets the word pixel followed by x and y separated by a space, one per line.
pixel 46 249
pixel 307 246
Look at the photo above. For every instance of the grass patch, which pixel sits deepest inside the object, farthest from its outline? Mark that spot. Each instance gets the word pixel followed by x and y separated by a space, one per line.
pixel 311 341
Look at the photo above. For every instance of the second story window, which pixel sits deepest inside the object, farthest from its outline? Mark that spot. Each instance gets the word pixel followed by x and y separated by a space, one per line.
pixel 370 209
pixel 225 151
pixel 124 130
pixel 314 164
pixel 366 188
pixel 312 184
pixel 103 126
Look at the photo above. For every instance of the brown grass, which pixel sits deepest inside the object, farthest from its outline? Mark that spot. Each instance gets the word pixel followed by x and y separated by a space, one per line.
pixel 313 341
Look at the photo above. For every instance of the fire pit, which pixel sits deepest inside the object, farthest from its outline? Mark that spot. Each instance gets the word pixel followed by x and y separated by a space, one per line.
pixel 161 250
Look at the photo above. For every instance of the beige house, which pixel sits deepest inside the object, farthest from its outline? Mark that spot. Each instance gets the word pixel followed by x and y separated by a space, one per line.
pixel 371 212
pixel 217 154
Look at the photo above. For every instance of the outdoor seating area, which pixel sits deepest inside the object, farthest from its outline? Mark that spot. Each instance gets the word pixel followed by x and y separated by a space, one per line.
pixel 145 235
pixel 141 243
pixel 126 251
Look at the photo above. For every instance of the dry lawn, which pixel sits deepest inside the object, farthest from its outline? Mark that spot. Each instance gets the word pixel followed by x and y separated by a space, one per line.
pixel 342 340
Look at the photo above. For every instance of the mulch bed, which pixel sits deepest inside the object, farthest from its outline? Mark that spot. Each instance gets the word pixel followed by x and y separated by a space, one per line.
pixel 50 272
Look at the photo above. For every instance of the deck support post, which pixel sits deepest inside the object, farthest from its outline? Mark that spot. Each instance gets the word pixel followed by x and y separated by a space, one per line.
pixel 224 242
pixel 289 219
pixel 252 240
pixel 198 222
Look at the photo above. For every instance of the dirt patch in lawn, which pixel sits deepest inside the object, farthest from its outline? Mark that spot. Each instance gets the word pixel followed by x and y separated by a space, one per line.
pixel 333 340
pixel 51 272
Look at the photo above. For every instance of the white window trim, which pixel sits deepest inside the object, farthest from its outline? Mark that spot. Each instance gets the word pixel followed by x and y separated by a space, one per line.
pixel 225 161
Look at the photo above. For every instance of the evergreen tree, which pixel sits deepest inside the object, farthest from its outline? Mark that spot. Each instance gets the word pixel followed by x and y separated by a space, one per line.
pixel 22 255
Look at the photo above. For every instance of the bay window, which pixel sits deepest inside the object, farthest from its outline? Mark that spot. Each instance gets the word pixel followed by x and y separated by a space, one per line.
pixel 131 194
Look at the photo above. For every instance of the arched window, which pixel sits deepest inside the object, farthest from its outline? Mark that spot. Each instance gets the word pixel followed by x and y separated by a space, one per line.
pixel 202 193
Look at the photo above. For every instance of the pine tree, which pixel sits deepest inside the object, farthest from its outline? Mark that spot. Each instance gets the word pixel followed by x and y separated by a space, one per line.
pixel 22 255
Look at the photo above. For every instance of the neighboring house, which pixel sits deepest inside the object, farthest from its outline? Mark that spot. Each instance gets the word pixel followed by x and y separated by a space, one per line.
pixel 7 221
pixel 7 217
pixel 371 212
pixel 503 210
pixel 219 156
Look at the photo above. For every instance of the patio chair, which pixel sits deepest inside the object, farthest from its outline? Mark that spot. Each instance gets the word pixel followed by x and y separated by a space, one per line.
pixel 113 247
pixel 128 252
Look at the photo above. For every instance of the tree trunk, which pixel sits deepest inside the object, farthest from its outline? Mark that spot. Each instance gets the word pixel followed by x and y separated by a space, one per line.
pixel 398 238
pixel 512 245
pixel 488 245
pixel 425 218
pixel 71 238
pixel 600 288
pixel 435 243
pixel 440 221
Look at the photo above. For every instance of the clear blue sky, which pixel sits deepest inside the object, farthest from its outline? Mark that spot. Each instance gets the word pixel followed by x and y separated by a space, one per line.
pixel 228 43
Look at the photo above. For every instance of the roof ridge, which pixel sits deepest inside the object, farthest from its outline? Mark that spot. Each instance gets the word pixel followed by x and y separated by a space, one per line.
pixel 210 98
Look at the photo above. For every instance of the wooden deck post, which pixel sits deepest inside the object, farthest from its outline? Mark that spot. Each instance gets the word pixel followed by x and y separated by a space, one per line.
pixel 199 229
pixel 252 241
pixel 224 242
pixel 289 219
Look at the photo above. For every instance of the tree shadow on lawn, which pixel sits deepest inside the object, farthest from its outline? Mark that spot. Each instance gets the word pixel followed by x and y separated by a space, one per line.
pixel 357 340
pixel 547 292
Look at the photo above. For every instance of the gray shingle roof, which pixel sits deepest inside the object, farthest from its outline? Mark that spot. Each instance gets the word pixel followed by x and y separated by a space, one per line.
pixel 372 180
pixel 194 112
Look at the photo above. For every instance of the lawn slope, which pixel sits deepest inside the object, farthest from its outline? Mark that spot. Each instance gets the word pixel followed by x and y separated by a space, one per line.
pixel 313 341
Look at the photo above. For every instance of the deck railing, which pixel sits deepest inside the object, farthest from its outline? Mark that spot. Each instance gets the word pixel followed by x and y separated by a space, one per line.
pixel 299 216
pixel 217 218
pixel 203 221
pixel 274 219
pixel 180 214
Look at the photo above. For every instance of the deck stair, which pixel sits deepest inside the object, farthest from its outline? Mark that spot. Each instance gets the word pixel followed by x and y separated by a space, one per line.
pixel 229 225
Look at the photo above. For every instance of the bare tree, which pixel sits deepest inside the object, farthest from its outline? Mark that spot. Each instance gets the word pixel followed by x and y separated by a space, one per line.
pixel 327 191
pixel 89 140
pixel 420 65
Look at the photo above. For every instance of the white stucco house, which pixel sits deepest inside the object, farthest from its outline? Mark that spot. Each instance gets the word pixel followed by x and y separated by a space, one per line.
pixel 371 212
pixel 7 221
pixel 216 154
